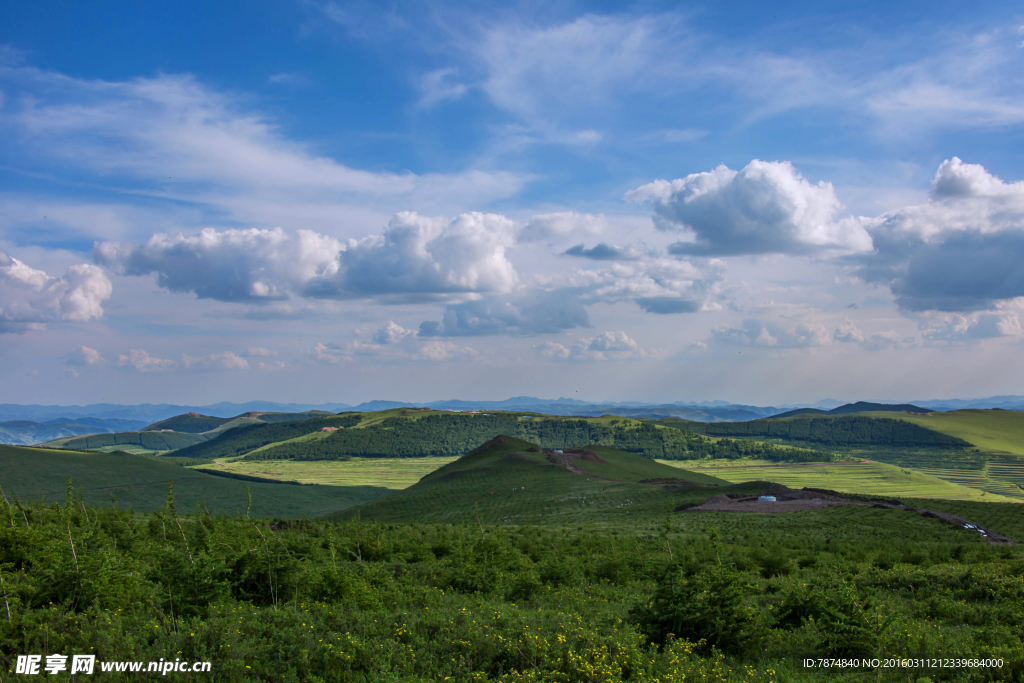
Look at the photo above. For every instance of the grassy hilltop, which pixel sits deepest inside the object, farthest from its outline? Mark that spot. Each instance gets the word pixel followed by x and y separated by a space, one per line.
pixel 510 480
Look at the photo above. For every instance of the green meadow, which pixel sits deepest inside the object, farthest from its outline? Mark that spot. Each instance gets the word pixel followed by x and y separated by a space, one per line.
pixel 869 478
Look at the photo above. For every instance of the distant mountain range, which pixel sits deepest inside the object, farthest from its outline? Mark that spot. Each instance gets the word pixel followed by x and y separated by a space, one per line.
pixel 28 432
pixel 28 424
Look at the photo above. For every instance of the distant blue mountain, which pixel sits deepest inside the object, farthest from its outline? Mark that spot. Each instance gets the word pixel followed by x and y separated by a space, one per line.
pixel 704 411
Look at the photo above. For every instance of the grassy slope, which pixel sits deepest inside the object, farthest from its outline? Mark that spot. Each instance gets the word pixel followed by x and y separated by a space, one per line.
pixel 33 473
pixel 869 478
pixel 504 482
pixel 997 431
pixel 392 473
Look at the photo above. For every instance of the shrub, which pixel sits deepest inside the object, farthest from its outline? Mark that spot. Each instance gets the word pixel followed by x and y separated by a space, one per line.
pixel 707 606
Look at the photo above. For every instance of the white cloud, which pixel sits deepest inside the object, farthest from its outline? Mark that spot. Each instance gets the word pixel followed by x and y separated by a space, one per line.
pixel 528 314
pixel 249 265
pixel 181 140
pixel 392 333
pixel 766 207
pixel 30 297
pixel 951 328
pixel 603 347
pixel 217 361
pixel 771 334
pixel 849 333
pixel 258 352
pixel 657 285
pixel 140 361
pixel 605 252
pixel 440 85
pixel 391 344
pixel 554 226
pixel 83 356
pixel 962 250
pixel 415 257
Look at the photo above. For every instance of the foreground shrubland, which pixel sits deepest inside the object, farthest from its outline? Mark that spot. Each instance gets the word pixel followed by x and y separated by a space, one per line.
pixel 708 597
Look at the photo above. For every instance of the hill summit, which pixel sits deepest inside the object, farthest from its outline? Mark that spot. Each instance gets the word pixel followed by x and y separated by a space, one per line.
pixel 510 480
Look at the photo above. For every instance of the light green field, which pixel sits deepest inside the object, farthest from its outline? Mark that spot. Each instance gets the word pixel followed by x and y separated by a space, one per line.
pixel 392 473
pixel 1000 431
pixel 869 478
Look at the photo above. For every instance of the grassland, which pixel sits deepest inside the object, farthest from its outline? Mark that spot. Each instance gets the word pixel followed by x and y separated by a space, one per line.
pixel 868 478
pixel 996 431
pixel 142 483
pixel 357 602
pixel 391 473
pixel 509 481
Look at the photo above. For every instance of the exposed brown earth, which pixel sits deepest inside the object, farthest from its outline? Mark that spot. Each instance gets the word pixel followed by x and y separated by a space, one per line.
pixel 789 500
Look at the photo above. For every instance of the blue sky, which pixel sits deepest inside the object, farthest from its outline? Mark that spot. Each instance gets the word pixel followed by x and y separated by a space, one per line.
pixel 345 201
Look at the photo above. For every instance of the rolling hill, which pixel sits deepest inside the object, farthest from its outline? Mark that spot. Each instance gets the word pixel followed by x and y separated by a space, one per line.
pixel 858 407
pixel 418 432
pixel 142 483
pixel 177 432
pixel 508 480
pixel 28 432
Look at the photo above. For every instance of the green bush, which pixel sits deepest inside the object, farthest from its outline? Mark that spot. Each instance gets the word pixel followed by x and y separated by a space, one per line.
pixel 707 607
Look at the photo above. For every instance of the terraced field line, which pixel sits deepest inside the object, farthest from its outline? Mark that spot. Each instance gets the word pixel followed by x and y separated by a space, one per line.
pixel 872 478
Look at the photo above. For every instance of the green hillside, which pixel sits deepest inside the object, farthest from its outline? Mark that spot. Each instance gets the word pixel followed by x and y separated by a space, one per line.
pixel 509 480
pixel 34 473
pixel 844 430
pixel 194 423
pixel 997 431
pixel 148 441
pixel 411 433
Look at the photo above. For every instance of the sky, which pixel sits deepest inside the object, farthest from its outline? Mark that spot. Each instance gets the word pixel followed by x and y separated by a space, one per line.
pixel 295 200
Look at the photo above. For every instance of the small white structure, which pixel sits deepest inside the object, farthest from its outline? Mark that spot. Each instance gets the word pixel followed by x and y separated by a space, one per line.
pixel 766 499
pixel 557 451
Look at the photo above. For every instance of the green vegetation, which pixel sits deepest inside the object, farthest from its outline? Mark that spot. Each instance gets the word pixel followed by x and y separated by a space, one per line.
pixel 416 433
pixel 511 481
pixel 141 482
pixel 149 441
pixel 866 478
pixel 998 431
pixel 709 597
pixel 189 423
pixel 239 440
pixel 392 473
pixel 832 432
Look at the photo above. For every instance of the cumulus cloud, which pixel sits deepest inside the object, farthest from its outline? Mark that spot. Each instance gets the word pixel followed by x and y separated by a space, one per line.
pixel 605 346
pixel 657 285
pixel 538 313
pixel 140 361
pixel 604 252
pixel 961 251
pixel 419 256
pixel 83 356
pixel 406 348
pixel 258 352
pixel 30 297
pixel 249 265
pixel 415 257
pixel 553 226
pixel 952 328
pixel 771 334
pixel 849 333
pixel 764 208
pixel 392 333
pixel 216 361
